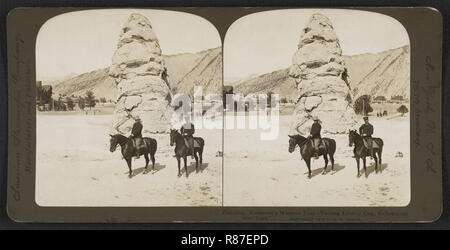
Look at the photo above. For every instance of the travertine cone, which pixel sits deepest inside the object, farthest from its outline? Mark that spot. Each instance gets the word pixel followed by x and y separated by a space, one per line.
pixel 140 74
pixel 322 81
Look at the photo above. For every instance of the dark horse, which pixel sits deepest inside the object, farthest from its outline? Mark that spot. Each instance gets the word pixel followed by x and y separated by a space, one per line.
pixel 182 150
pixel 361 151
pixel 307 150
pixel 128 150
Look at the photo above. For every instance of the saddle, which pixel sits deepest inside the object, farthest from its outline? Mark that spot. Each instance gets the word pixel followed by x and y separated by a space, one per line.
pixel 374 143
pixel 196 144
pixel 140 143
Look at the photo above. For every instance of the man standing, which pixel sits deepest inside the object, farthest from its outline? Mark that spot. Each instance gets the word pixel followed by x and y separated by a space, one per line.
pixel 366 131
pixel 315 136
pixel 136 135
pixel 187 131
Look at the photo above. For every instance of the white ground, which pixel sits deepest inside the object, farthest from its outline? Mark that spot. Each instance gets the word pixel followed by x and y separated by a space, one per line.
pixel 264 173
pixel 75 168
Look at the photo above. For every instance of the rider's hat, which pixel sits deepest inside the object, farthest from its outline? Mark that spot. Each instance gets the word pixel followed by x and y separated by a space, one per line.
pixel 315 118
pixel 365 118
pixel 137 118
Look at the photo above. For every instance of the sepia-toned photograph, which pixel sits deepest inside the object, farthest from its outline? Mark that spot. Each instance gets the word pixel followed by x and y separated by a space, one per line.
pixel 342 126
pixel 224 115
pixel 108 82
pixel 312 110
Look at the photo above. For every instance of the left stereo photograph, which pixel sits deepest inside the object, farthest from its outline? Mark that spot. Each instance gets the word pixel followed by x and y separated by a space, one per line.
pixel 115 124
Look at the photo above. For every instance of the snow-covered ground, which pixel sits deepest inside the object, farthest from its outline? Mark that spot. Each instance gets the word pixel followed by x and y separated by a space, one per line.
pixel 75 168
pixel 264 173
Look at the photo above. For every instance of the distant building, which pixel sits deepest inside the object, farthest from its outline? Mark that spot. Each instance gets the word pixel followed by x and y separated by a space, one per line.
pixel 379 99
pixel 397 99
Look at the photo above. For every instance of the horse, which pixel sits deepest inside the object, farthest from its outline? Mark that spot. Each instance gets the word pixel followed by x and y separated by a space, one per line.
pixel 307 150
pixel 182 150
pixel 360 150
pixel 129 150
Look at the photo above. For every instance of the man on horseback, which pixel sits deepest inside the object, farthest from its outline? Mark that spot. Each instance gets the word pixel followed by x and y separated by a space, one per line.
pixel 315 136
pixel 187 131
pixel 136 136
pixel 366 131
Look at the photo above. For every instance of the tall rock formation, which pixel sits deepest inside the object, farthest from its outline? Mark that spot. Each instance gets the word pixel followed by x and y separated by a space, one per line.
pixel 322 80
pixel 140 74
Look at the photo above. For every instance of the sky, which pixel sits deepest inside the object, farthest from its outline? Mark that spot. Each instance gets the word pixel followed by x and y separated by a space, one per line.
pixel 264 42
pixel 82 41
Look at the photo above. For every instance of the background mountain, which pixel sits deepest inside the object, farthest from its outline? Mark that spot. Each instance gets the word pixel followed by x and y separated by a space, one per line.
pixel 185 71
pixel 188 70
pixel 385 73
pixel 55 80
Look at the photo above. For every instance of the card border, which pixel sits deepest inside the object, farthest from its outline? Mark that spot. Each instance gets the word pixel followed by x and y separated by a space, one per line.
pixel 426 130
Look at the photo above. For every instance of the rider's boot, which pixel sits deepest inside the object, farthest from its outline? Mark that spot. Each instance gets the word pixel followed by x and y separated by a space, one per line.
pixel 135 146
pixel 316 153
pixel 137 150
pixel 371 154
pixel 192 153
pixel 137 154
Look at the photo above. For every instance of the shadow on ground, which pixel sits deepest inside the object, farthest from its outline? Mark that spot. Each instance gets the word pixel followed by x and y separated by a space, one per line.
pixel 371 168
pixel 137 171
pixel 317 171
pixel 191 168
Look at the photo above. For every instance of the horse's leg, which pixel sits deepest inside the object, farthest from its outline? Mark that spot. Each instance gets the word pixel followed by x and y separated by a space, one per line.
pixel 196 161
pixel 200 153
pixel 178 160
pixel 364 165
pixel 146 163
pixel 326 163
pixel 185 166
pixel 152 156
pixel 308 164
pixel 376 162
pixel 130 172
pixel 379 156
pixel 332 161
pixel 358 174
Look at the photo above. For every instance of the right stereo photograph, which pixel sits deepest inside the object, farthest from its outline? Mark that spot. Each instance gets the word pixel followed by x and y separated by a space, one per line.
pixel 316 110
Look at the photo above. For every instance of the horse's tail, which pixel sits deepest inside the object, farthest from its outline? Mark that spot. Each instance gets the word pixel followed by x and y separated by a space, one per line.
pixel 200 141
pixel 379 141
pixel 332 146
pixel 155 145
pixel 152 144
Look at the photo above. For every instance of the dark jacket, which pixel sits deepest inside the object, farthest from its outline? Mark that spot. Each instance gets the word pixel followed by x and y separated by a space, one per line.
pixel 137 129
pixel 315 130
pixel 185 130
pixel 366 129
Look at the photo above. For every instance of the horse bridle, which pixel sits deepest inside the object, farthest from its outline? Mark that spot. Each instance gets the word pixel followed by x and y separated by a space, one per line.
pixel 301 144
pixel 120 144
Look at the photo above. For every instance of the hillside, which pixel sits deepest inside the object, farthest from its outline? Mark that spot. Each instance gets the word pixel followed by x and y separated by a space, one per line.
pixel 189 70
pixel 277 82
pixel 385 73
pixel 97 81
pixel 185 71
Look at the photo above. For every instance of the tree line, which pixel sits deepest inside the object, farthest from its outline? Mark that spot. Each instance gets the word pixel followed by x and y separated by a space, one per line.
pixel 363 106
pixel 65 103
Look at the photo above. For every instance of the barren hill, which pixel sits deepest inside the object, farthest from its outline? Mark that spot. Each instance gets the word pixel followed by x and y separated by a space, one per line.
pixel 185 71
pixel 385 73
pixel 189 70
